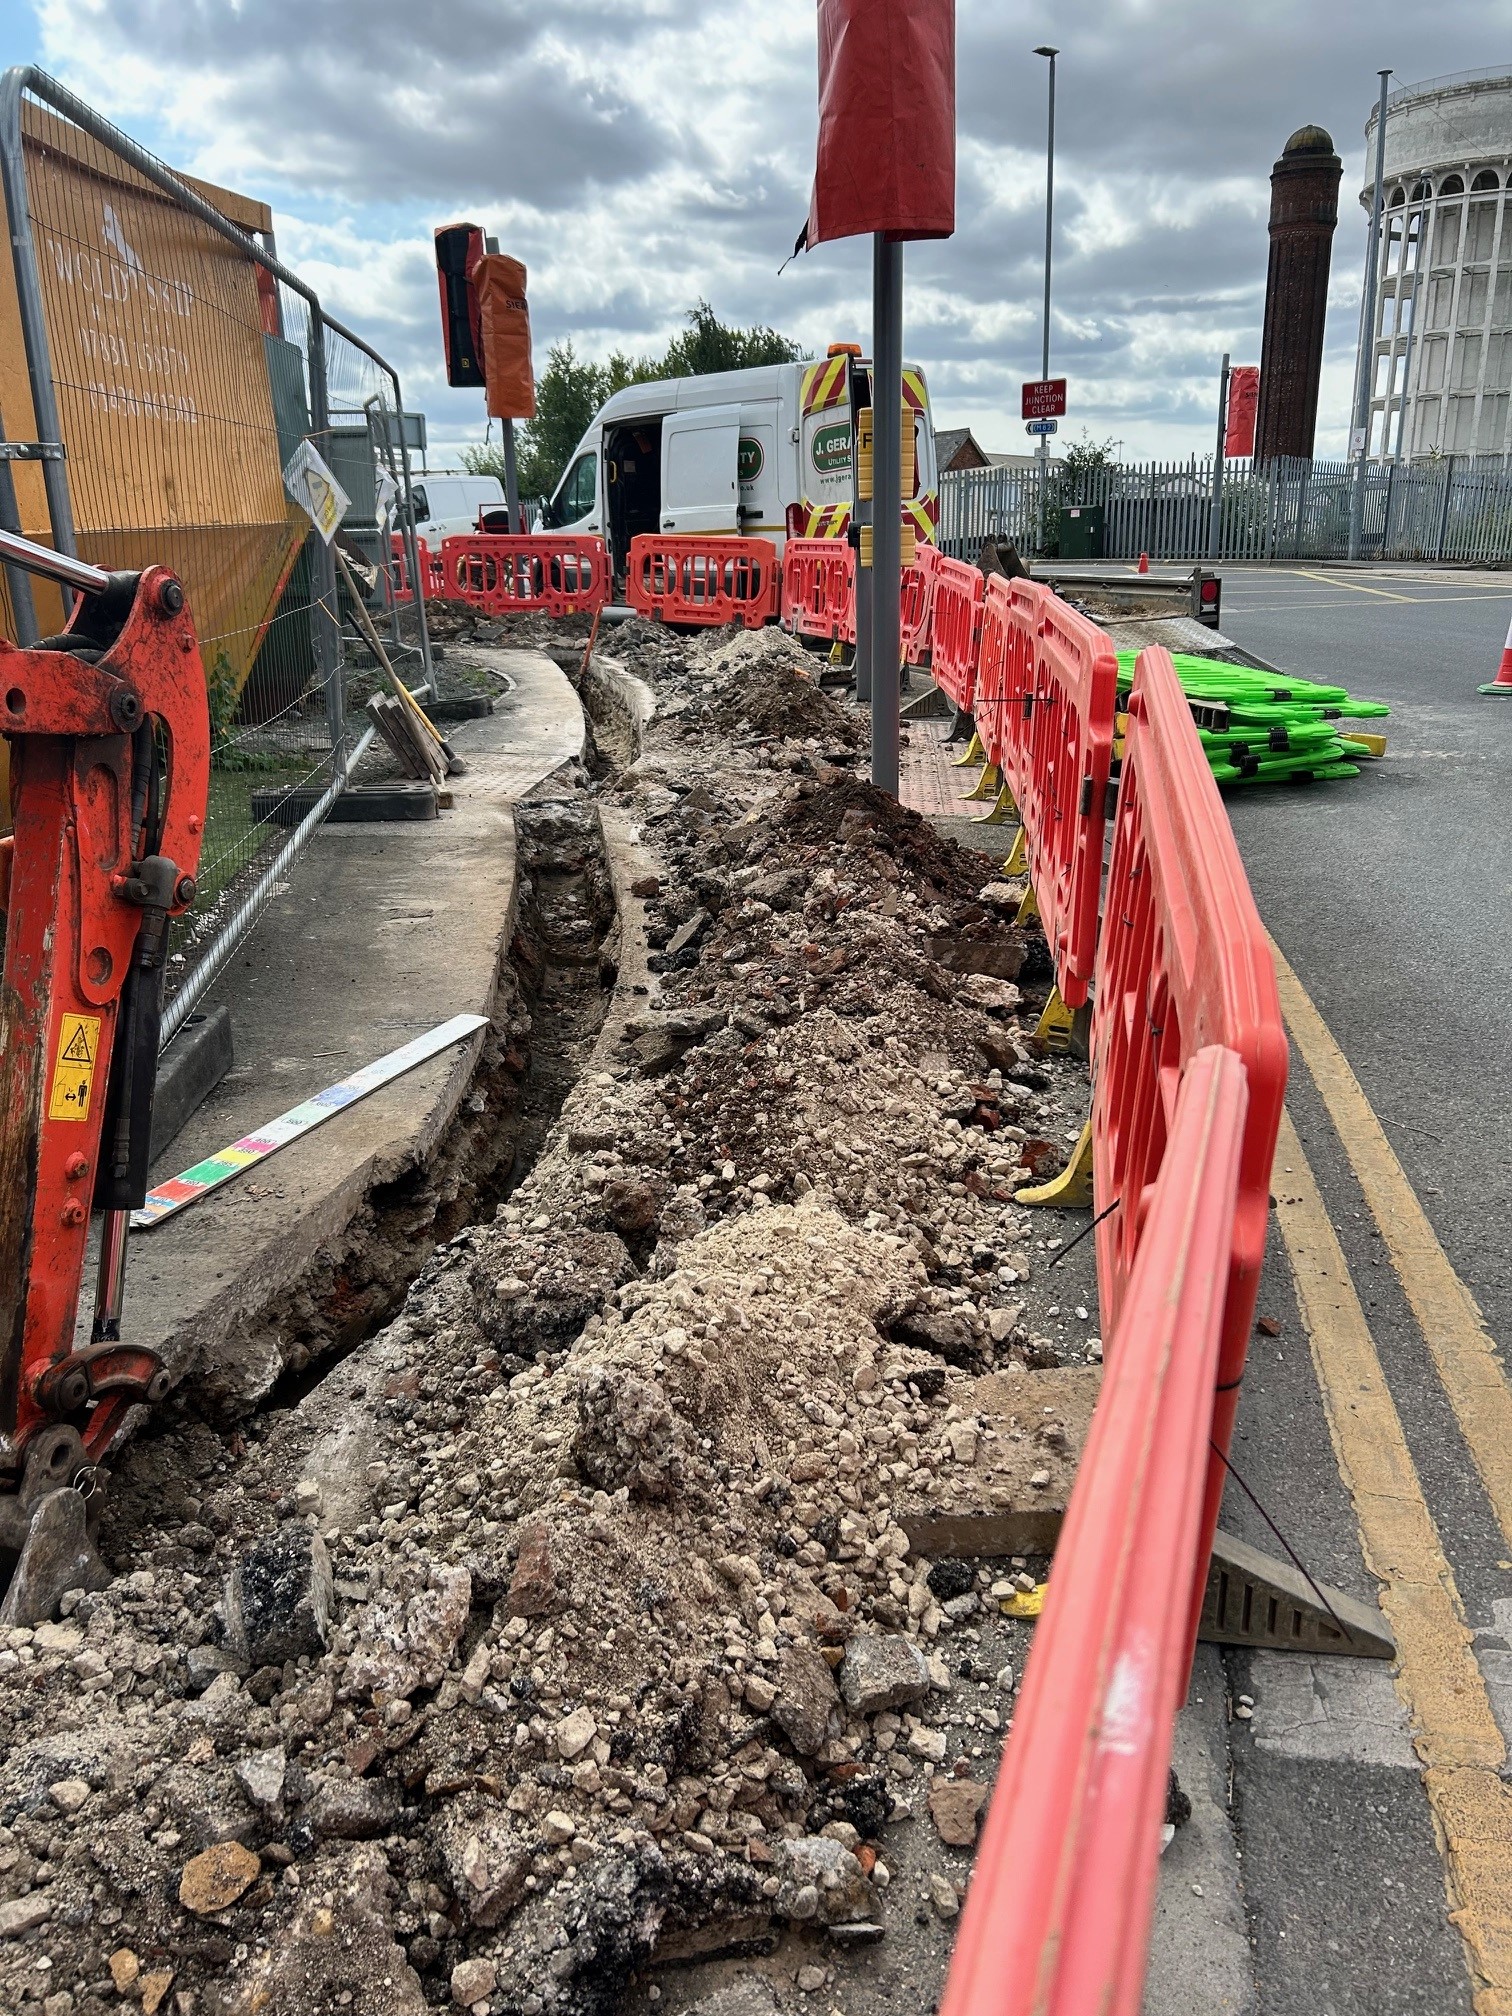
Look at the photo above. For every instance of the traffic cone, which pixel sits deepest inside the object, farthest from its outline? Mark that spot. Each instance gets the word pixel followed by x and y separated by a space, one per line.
pixel 1502 683
pixel 1144 564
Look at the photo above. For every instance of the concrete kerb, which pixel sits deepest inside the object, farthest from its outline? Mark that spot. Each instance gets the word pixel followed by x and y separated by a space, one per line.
pixel 382 932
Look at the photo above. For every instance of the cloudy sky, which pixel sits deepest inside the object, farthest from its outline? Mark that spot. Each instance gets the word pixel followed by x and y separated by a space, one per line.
pixel 640 153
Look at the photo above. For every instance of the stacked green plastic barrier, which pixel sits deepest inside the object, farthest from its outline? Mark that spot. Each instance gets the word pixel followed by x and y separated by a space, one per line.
pixel 1263 727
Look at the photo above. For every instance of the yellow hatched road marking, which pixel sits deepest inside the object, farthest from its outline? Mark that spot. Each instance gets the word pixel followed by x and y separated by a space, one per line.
pixel 1454 1731
pixel 1338 581
pixel 1463 1350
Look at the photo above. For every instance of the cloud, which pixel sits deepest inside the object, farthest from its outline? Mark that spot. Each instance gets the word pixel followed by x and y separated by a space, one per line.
pixel 639 154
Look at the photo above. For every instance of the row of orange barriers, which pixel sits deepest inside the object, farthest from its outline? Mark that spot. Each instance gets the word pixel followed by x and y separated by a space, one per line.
pixel 1189 1072
pixel 686 581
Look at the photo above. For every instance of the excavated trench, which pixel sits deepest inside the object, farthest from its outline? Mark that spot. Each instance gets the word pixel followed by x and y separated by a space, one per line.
pixel 552 999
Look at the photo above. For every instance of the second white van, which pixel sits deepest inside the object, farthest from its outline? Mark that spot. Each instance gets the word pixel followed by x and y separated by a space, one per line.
pixel 449 502
pixel 764 452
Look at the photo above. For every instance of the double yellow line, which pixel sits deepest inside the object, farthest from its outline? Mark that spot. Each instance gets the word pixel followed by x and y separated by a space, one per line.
pixel 1454 1730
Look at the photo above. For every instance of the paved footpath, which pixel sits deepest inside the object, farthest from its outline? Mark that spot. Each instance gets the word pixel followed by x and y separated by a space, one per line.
pixel 380 933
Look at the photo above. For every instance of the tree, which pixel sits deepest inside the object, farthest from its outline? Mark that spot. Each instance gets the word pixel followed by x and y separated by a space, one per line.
pixel 708 345
pixel 571 390
pixel 1081 463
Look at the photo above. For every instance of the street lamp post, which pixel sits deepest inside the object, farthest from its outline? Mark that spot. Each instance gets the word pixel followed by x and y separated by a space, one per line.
pixel 1366 371
pixel 1044 440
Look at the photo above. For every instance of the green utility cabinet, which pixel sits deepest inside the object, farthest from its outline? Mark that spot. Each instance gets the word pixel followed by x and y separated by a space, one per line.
pixel 1083 531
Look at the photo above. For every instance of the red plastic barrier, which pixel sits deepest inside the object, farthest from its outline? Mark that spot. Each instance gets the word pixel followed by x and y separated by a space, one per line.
pixel 431 579
pixel 955 629
pixel 1058 754
pixel 819 589
pixel 916 612
pixel 502 573
pixel 1012 611
pixel 1058 1915
pixel 704 580
pixel 1183 963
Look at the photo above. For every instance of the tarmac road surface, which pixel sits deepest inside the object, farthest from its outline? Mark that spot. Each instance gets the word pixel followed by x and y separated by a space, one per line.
pixel 1376 1427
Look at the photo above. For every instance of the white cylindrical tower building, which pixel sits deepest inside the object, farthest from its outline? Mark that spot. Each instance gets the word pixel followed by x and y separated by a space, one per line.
pixel 1440 356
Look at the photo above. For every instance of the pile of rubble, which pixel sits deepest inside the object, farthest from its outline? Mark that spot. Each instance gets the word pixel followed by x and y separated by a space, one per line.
pixel 585 1619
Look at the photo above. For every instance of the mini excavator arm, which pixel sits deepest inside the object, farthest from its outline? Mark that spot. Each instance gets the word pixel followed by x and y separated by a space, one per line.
pixel 109 745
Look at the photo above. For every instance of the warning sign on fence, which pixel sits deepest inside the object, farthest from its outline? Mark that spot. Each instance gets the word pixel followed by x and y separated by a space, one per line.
pixel 309 481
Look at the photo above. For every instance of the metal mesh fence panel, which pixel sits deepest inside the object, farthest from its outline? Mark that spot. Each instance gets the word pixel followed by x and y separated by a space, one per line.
pixel 169 366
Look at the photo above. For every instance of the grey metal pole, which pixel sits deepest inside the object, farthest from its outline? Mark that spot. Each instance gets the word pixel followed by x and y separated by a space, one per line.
pixel 29 300
pixel 325 616
pixel 1367 337
pixel 862 515
pixel 1044 440
pixel 511 480
pixel 17 581
pixel 887 507
pixel 1215 519
pixel 412 542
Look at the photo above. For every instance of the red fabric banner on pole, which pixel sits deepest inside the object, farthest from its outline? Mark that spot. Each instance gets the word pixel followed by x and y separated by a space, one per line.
pixel 886 157
pixel 1243 404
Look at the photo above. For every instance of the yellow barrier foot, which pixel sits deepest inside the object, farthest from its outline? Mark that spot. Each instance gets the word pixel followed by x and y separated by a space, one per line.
pixel 1055 1025
pixel 1002 811
pixel 990 781
pixel 1028 907
pixel 1018 856
pixel 1072 1189
pixel 975 753
pixel 1360 744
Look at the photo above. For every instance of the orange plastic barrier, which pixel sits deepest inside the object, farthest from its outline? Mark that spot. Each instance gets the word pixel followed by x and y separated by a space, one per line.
pixel 431 580
pixel 1183 963
pixel 819 589
pixel 704 580
pixel 1011 614
pixel 506 573
pixel 1058 752
pixel 1058 1915
pixel 955 629
pixel 917 596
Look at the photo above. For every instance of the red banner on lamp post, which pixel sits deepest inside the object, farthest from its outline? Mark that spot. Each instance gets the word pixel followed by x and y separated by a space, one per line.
pixel 1243 404
pixel 1043 399
pixel 886 155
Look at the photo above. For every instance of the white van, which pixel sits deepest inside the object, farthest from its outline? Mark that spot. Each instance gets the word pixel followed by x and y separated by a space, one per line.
pixel 764 452
pixel 449 502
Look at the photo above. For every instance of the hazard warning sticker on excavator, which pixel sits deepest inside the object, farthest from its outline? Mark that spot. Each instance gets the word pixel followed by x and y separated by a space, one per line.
pixel 74 1067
